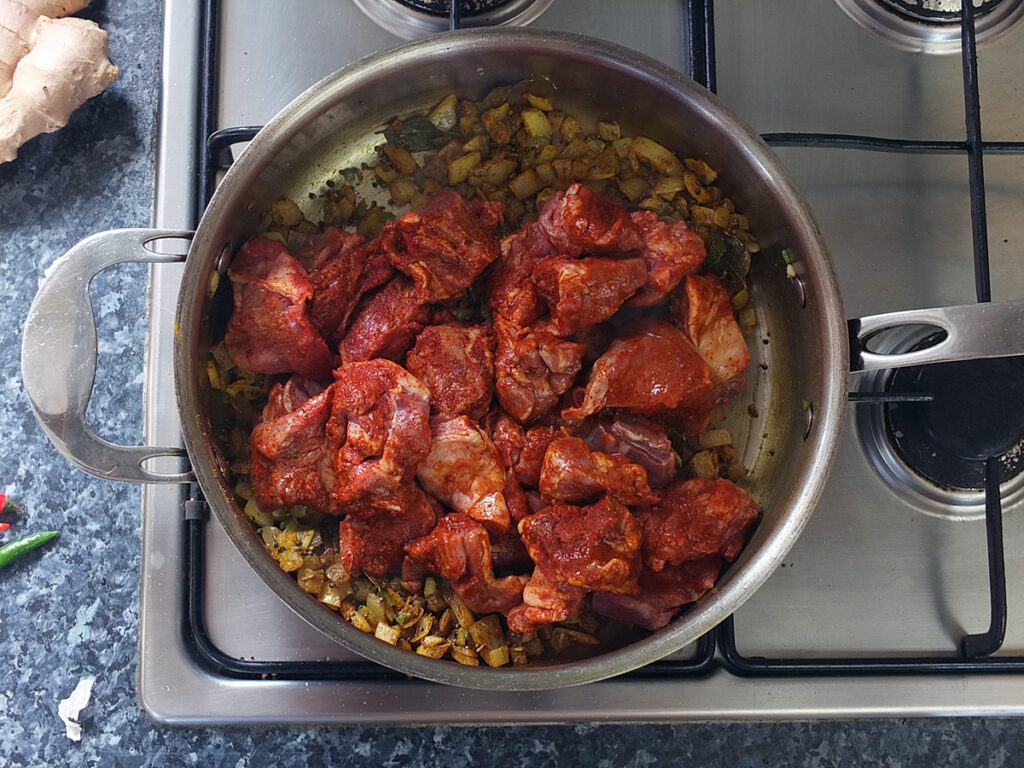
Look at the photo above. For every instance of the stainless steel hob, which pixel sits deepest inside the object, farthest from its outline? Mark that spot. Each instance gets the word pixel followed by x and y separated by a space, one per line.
pixel 866 615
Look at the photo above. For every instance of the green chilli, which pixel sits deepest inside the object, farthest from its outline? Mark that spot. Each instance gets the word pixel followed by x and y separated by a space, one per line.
pixel 15 549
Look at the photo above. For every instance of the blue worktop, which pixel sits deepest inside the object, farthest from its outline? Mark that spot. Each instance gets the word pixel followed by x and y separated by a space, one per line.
pixel 70 611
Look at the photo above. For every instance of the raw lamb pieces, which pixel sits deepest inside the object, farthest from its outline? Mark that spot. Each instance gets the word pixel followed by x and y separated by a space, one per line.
pixel 523 456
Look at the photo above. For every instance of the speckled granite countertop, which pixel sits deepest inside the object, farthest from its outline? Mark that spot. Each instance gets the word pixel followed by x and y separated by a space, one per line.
pixel 71 610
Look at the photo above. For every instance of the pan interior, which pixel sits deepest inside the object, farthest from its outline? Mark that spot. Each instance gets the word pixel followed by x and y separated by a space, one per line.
pixel 784 425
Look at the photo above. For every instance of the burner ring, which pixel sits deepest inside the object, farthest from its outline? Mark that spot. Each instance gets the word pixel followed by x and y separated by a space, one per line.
pixel 410 19
pixel 909 484
pixel 931 26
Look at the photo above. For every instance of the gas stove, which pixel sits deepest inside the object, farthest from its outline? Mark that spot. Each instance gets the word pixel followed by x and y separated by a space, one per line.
pixel 864 101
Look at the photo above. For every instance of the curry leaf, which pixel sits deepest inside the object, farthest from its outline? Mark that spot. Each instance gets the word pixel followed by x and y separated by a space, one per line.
pixel 727 258
pixel 415 133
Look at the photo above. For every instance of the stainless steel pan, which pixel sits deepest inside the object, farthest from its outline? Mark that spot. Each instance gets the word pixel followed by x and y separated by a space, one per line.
pixel 797 382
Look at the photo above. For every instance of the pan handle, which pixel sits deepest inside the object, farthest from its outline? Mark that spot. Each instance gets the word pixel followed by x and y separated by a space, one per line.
pixel 59 353
pixel 972 331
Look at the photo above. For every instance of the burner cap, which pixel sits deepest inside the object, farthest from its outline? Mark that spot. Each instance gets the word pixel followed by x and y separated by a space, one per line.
pixel 977 413
pixel 931 26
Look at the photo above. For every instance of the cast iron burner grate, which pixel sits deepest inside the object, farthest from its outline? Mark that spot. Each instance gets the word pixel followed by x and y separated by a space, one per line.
pixel 977 412
pixel 976 653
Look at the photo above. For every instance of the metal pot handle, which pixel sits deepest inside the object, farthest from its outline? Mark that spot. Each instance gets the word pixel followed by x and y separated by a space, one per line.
pixel 58 355
pixel 972 331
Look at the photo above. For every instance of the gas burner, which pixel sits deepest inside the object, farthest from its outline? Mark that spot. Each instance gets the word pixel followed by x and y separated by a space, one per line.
pixel 976 414
pixel 443 7
pixel 932 454
pixel 932 26
pixel 938 11
pixel 415 18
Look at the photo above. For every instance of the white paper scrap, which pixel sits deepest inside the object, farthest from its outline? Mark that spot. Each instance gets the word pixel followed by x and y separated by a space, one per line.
pixel 69 708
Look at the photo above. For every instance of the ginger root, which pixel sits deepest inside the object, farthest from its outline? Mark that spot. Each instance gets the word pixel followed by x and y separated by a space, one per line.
pixel 66 65
pixel 12 47
pixel 17 30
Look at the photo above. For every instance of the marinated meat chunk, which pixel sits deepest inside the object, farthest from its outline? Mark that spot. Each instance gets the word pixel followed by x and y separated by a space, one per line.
pixel 515 499
pixel 288 396
pixel 671 252
pixel 689 420
pixel 490 214
pixel 445 245
pixel 703 309
pixel 652 370
pixel 386 324
pixel 595 547
pixel 696 518
pixel 379 430
pixel 544 601
pixel 535 502
pixel 456 362
pixel 290 458
pixel 464 471
pixel 343 269
pixel 326 246
pixel 531 457
pixel 597 338
pixel 507 435
pixel 532 369
pixel 270 330
pixel 579 221
pixel 508 550
pixel 574 474
pixel 359 440
pixel 376 542
pixel 583 292
pixel 662 593
pixel 522 450
pixel 459 550
pixel 638 439
pixel 510 289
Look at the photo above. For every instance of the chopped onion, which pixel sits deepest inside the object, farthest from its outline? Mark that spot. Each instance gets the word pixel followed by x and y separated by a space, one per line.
pixel 714 438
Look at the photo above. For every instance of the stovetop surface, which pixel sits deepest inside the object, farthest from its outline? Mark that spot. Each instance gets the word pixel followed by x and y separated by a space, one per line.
pixel 872 576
